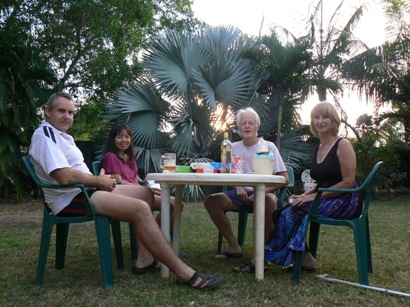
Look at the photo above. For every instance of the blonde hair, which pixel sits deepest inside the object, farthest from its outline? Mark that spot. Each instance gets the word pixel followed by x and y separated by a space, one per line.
pixel 325 109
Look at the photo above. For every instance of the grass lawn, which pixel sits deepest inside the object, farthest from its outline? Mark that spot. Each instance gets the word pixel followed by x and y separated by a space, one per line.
pixel 80 283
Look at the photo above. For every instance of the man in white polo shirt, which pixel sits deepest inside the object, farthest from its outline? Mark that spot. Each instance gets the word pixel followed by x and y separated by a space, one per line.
pixel 57 160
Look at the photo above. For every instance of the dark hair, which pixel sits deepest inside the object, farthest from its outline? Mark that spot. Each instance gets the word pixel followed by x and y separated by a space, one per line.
pixel 110 145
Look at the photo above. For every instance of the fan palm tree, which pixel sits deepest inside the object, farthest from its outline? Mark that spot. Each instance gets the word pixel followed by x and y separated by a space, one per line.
pixel 191 87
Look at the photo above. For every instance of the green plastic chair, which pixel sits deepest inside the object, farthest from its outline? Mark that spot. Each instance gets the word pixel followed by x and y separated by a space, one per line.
pixel 62 226
pixel 360 227
pixel 116 227
pixel 243 212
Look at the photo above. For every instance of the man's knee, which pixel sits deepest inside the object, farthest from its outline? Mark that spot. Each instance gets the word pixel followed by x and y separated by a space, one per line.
pixel 271 203
pixel 212 202
pixel 207 202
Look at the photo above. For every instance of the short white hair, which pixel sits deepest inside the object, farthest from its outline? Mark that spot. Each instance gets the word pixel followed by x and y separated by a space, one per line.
pixel 250 110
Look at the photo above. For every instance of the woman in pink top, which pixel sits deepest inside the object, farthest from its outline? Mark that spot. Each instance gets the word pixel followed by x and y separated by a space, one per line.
pixel 119 160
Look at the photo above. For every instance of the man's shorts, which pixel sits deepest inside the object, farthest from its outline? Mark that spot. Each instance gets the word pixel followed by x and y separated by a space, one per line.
pixel 241 204
pixel 77 205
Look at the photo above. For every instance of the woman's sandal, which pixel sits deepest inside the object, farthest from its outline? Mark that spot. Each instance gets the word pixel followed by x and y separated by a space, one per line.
pixel 246 268
pixel 290 267
pixel 208 282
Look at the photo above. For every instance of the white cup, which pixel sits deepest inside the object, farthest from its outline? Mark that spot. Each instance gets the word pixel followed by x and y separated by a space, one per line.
pixel 168 163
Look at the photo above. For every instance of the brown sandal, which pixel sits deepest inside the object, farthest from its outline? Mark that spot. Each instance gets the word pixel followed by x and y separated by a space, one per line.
pixel 208 282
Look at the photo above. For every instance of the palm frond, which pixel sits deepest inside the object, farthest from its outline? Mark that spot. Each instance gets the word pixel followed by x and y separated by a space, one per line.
pixel 171 61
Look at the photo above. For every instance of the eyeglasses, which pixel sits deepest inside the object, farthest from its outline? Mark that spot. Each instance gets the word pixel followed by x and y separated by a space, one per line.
pixel 248 123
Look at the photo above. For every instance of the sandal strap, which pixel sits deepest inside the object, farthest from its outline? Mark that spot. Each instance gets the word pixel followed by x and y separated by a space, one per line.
pixel 204 279
pixel 247 268
pixel 192 280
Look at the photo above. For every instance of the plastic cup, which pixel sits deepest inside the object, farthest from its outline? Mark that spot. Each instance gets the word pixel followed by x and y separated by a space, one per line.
pixel 263 165
pixel 168 163
pixel 237 165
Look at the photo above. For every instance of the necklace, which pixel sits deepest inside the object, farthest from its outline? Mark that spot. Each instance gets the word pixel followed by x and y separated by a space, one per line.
pixel 123 156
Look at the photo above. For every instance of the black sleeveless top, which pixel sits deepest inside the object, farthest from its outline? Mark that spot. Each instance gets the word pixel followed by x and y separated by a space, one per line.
pixel 328 172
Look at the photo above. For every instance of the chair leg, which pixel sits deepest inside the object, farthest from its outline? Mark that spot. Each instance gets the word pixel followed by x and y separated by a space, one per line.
pixel 133 242
pixel 369 248
pixel 104 247
pixel 116 234
pixel 361 252
pixel 219 250
pixel 61 244
pixel 314 238
pixel 44 247
pixel 297 267
pixel 242 221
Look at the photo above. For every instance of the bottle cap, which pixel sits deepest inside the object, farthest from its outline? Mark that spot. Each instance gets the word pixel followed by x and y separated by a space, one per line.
pixel 226 135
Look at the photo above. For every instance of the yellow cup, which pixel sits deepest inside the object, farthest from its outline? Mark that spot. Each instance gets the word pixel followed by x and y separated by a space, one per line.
pixel 168 163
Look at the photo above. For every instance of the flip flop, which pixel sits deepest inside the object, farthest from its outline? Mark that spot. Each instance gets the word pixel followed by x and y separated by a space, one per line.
pixel 247 268
pixel 182 254
pixel 153 267
pixel 208 282
pixel 227 255
pixel 289 268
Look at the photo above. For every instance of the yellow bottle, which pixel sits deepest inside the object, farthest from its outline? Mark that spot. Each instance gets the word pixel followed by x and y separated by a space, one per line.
pixel 226 154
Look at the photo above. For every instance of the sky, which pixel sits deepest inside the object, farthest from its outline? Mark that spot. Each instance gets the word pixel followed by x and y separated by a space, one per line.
pixel 254 16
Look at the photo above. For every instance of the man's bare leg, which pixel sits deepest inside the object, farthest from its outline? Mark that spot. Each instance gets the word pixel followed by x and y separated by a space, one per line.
pixel 157 207
pixel 215 205
pixel 124 208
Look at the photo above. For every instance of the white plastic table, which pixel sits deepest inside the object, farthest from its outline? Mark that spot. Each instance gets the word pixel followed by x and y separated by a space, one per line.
pixel 258 182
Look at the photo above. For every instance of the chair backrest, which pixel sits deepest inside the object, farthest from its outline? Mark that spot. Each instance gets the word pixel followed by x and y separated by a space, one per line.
pixel 308 182
pixel 290 185
pixel 95 167
pixel 291 175
pixel 29 166
pixel 368 185
pixel 30 169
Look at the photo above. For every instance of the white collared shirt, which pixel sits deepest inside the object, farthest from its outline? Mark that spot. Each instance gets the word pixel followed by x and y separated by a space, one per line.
pixel 52 149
